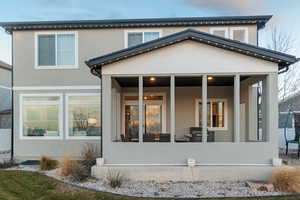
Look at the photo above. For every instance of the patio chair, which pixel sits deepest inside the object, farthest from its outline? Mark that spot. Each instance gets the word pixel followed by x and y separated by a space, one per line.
pixel 295 140
pixel 149 137
pixel 165 137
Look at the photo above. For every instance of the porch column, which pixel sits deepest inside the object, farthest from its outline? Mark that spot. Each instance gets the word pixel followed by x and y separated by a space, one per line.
pixel 172 108
pixel 141 109
pixel 106 118
pixel 237 108
pixel 272 112
pixel 204 108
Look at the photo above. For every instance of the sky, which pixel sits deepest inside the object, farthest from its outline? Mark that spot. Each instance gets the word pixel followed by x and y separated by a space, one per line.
pixel 286 13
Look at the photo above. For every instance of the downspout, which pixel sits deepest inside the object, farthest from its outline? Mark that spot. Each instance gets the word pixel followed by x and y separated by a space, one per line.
pixel 12 98
pixel 94 71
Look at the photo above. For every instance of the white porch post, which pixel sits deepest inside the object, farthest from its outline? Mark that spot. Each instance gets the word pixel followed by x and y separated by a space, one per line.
pixel 173 111
pixel 141 109
pixel 106 118
pixel 204 108
pixel 237 108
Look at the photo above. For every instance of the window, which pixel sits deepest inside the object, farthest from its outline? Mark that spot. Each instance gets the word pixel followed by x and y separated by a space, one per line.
pixel 221 32
pixel 83 116
pixel 138 37
pixel 56 50
pixel 239 34
pixel 236 33
pixel 216 114
pixel 41 116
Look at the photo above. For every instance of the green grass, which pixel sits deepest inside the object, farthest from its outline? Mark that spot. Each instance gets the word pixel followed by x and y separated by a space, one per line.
pixel 31 186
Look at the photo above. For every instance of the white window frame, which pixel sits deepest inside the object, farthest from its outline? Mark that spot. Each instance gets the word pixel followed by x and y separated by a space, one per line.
pixel 143 31
pixel 132 102
pixel 60 115
pixel 211 30
pixel 211 100
pixel 37 66
pixel 237 29
pixel 67 103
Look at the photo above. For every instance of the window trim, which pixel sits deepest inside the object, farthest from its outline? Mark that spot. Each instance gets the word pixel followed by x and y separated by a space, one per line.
pixel 210 100
pixel 67 103
pixel 60 116
pixel 226 29
pixel 37 66
pixel 126 32
pixel 237 29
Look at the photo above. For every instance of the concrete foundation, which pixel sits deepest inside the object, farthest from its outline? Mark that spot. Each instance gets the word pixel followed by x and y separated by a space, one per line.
pixel 198 173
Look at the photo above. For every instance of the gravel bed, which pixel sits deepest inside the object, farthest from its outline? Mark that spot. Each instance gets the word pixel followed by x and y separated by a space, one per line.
pixel 202 189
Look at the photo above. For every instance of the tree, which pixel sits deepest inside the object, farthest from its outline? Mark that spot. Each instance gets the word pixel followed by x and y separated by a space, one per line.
pixel 284 42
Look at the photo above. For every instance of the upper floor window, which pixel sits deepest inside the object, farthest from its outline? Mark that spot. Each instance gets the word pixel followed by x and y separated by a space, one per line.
pixel 134 38
pixel 221 32
pixel 239 34
pixel 56 50
pixel 235 33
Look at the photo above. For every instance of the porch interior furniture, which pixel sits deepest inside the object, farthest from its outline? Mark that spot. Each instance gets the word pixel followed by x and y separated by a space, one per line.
pixel 37 132
pixel 296 139
pixel 156 137
pixel 196 135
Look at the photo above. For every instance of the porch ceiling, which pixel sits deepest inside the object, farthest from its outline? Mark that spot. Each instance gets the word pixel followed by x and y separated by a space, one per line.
pixel 179 81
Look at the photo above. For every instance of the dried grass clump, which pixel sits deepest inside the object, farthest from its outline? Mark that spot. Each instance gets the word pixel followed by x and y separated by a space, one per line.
pixel 115 178
pixel 68 166
pixel 89 152
pixel 286 179
pixel 47 163
pixel 8 164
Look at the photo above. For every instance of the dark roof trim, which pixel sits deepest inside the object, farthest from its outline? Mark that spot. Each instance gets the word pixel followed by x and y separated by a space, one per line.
pixel 282 59
pixel 5 66
pixel 259 20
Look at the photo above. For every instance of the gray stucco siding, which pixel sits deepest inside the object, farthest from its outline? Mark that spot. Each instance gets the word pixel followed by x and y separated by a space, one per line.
pixel 56 148
pixel 91 43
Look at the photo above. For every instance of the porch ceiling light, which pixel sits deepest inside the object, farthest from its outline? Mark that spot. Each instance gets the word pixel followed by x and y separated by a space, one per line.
pixel 210 78
pixel 152 79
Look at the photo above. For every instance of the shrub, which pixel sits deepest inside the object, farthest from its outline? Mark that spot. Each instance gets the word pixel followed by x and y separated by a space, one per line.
pixel 80 173
pixel 286 179
pixel 7 164
pixel 115 178
pixel 68 166
pixel 47 163
pixel 89 152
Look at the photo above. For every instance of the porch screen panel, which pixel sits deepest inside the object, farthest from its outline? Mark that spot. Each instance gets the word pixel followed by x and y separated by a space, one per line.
pixel 253 108
pixel 188 91
pixel 125 109
pixel 155 108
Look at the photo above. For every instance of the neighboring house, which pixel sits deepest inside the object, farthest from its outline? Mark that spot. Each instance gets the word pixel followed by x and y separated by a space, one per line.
pixel 5 107
pixel 168 89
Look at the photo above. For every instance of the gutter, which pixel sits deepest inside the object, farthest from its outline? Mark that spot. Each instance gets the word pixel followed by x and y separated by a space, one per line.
pixel 285 69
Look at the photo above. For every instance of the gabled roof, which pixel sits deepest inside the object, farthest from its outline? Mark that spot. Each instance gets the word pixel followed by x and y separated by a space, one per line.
pixel 282 59
pixel 5 66
pixel 259 20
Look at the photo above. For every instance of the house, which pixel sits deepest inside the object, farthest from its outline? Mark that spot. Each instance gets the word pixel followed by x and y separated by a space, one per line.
pixel 159 94
pixel 5 109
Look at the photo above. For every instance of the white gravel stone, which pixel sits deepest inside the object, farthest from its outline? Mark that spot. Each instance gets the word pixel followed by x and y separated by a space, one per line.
pixel 202 189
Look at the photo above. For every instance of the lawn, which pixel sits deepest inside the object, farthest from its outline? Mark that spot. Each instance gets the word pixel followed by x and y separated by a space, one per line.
pixel 31 186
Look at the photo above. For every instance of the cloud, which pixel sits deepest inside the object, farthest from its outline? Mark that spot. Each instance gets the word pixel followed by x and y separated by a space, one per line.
pixel 230 6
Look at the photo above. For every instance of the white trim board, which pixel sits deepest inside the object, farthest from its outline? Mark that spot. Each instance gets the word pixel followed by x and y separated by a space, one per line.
pixel 79 87
pixel 5 87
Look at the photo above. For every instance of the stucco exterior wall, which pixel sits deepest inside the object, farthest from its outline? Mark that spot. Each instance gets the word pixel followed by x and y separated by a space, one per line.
pixel 190 57
pixel 91 43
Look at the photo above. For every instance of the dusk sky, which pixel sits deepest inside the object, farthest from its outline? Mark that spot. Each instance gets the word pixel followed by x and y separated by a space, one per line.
pixel 286 13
